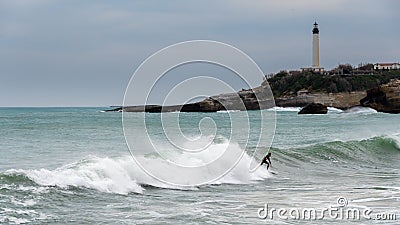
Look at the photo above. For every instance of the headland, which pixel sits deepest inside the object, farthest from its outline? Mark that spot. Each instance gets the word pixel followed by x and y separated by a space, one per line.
pixel 342 87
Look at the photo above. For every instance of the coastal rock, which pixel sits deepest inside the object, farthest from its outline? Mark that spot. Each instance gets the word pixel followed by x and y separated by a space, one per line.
pixel 341 100
pixel 251 99
pixel 207 105
pixel 314 108
pixel 385 98
pixel 114 109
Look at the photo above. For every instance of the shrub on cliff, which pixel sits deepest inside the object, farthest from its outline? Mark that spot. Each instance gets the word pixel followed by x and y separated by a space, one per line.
pixel 284 83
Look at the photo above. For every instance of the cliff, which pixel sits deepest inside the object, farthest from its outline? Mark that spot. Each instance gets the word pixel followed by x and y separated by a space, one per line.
pixel 299 88
pixel 290 83
pixel 385 98
pixel 342 100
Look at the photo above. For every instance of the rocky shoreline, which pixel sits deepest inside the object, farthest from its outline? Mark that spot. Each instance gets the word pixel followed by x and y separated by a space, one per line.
pixel 341 100
pixel 384 98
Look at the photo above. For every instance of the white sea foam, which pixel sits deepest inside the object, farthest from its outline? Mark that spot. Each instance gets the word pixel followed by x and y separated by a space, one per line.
pixel 334 110
pixel 29 202
pixel 361 110
pixel 228 111
pixel 7 216
pixel 122 175
pixel 285 109
pixel 102 174
pixel 13 220
pixel 240 174
pixel 32 214
pixel 396 137
pixel 34 190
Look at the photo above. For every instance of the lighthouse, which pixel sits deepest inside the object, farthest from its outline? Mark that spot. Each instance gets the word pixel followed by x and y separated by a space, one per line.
pixel 315 48
pixel 315 67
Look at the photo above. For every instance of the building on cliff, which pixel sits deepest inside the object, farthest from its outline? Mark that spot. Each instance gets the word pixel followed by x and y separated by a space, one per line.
pixel 316 67
pixel 387 66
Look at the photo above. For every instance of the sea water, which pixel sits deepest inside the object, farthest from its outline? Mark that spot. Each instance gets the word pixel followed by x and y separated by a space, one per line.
pixel 72 165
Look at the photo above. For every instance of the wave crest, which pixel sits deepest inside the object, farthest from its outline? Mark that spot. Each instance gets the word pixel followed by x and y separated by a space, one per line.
pixel 122 175
pixel 360 110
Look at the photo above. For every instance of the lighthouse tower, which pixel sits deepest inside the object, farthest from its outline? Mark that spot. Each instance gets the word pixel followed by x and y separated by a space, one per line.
pixel 315 53
pixel 316 67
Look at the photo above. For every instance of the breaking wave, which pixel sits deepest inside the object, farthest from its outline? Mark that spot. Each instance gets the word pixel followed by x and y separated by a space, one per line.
pixel 122 175
pixel 360 110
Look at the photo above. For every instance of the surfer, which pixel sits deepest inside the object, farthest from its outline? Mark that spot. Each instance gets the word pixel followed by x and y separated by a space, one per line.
pixel 267 160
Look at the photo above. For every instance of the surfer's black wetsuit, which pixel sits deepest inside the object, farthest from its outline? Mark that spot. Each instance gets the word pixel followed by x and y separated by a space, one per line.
pixel 267 160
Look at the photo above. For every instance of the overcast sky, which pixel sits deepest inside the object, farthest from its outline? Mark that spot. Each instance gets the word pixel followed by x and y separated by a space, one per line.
pixel 83 53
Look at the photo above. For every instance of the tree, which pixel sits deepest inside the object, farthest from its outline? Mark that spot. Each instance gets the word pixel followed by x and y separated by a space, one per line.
pixel 368 67
pixel 346 68
pixel 333 88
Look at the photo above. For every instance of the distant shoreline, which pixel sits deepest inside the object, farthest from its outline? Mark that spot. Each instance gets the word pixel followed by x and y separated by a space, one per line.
pixel 296 89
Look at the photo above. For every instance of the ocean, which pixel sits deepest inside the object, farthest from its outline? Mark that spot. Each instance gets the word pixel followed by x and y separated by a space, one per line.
pixel 72 165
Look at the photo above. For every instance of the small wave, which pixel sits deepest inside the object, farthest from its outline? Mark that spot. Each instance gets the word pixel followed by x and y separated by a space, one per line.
pixel 334 110
pixel 8 216
pixel 22 188
pixel 228 111
pixel 377 150
pixel 360 110
pixel 29 202
pixel 285 109
pixel 13 220
pixel 396 138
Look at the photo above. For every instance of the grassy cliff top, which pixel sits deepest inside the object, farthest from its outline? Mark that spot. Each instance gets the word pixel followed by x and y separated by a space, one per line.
pixel 289 83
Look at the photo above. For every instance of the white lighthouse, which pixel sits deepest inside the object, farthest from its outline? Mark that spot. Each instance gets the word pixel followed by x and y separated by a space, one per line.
pixel 315 53
pixel 315 67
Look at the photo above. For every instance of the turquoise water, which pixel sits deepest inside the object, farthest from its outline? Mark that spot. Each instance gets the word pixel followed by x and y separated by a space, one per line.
pixel 72 165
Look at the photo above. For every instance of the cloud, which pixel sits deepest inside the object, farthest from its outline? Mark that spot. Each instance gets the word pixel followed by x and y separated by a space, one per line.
pixel 24 3
pixel 54 43
pixel 285 8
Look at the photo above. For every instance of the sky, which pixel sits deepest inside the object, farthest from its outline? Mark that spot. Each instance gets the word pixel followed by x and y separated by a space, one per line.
pixel 83 53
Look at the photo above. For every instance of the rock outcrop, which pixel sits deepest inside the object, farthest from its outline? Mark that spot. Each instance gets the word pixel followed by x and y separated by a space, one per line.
pixel 385 98
pixel 341 100
pixel 207 105
pixel 252 99
pixel 314 108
